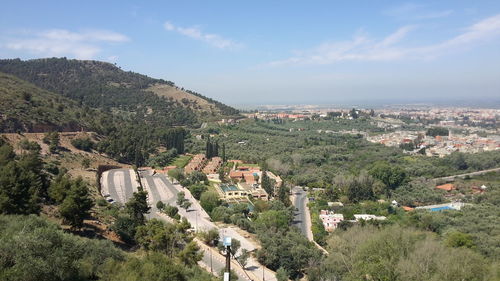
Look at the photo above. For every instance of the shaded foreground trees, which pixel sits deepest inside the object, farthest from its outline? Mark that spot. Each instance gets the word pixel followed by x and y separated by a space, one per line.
pixel 396 253
pixel 49 254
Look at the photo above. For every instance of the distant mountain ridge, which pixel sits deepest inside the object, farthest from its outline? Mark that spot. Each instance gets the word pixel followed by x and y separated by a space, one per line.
pixel 104 85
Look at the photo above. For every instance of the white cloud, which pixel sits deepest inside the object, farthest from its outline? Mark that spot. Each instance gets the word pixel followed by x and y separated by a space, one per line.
pixel 361 48
pixel 61 42
pixel 195 33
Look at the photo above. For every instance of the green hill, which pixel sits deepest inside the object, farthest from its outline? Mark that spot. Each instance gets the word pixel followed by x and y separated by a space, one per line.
pixel 104 85
pixel 134 114
pixel 27 108
pixel 126 136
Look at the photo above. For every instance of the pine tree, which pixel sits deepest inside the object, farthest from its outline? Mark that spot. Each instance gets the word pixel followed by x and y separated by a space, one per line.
pixel 224 153
pixel 267 184
pixel 77 204
pixel 138 206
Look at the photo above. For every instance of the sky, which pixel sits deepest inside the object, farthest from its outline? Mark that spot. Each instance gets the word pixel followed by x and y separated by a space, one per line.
pixel 277 52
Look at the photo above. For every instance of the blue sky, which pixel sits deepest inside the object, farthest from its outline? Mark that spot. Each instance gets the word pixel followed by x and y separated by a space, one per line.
pixel 276 52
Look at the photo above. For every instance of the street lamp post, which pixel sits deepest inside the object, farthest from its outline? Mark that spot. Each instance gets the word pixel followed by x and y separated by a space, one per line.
pixel 227 244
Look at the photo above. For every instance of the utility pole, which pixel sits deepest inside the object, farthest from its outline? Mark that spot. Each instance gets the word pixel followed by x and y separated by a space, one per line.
pixel 227 244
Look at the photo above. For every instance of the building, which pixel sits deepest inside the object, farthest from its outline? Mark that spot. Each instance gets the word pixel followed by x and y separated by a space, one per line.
pixel 330 219
pixel 213 166
pixel 446 187
pixel 254 190
pixel 230 191
pixel 442 207
pixel 368 217
pixel 196 164
pixel 249 175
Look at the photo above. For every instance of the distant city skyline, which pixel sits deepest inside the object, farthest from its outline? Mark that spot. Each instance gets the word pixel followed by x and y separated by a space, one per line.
pixel 279 52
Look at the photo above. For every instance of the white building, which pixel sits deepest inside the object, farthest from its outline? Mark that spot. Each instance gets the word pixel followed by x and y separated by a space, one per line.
pixel 368 217
pixel 330 219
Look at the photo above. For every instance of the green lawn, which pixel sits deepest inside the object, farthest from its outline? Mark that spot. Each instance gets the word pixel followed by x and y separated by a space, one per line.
pixel 181 161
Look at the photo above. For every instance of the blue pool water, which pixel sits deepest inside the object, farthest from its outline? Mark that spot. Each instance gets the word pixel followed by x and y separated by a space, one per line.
pixel 441 208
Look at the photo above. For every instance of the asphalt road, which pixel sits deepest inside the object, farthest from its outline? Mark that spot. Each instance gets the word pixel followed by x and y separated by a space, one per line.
pixel 119 183
pixel 301 219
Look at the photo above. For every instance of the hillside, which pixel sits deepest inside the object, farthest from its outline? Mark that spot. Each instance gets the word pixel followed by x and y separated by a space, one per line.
pixel 27 108
pixel 104 85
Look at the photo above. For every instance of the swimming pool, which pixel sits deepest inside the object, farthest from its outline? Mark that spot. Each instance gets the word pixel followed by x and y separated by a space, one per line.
pixel 441 208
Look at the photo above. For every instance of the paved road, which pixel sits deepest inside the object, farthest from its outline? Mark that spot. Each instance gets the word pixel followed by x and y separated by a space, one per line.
pixel 200 220
pixel 302 219
pixel 120 184
pixel 450 178
pixel 160 188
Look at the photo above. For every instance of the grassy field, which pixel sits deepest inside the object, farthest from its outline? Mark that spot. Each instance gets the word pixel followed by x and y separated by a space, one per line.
pixel 181 161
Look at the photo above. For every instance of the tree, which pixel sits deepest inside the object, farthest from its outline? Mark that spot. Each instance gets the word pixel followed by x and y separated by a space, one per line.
pixel 356 188
pixel 160 205
pixel 59 187
pixel 6 154
pixel 232 275
pixel 458 160
pixel 281 274
pixel 48 253
pixel 209 200
pixel 171 211
pixel 210 237
pixel 197 190
pixel 159 236
pixel 85 144
pixel 267 184
pixel 190 255
pixel 52 139
pixel 211 148
pixel 272 220
pixel 77 204
pixel 86 163
pixel 224 153
pixel 186 205
pixel 354 113
pixel 20 185
pixel 243 258
pixel 235 246
pixel 437 131
pixel 283 195
pixel 391 175
pixel 137 206
pixel 181 197
pixel 458 239
pixel 176 173
pixel 30 146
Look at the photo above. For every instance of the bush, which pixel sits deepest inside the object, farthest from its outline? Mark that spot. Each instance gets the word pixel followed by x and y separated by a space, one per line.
pixel 85 144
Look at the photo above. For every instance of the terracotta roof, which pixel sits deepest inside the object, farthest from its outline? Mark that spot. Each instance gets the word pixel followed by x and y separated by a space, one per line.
pixel 447 187
pixel 406 208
